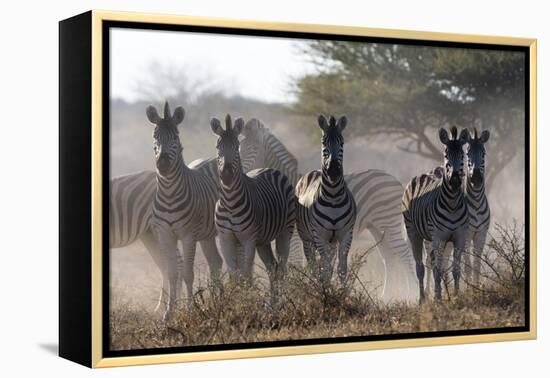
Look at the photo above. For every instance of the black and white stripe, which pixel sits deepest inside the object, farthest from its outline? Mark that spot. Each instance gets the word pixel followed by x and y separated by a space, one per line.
pixel 261 149
pixel 326 210
pixel 130 207
pixel 183 206
pixel 436 210
pixel 478 205
pixel 253 210
pixel 378 198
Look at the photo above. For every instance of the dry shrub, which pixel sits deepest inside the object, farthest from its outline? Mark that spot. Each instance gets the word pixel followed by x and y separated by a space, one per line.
pixel 234 311
pixel 502 273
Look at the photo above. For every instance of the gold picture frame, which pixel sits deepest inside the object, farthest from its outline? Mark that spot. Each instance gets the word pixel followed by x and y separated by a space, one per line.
pixel 90 328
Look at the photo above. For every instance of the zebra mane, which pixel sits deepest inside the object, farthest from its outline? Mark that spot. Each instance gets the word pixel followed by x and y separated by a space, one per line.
pixel 167 112
pixel 475 132
pixel 228 124
pixel 454 132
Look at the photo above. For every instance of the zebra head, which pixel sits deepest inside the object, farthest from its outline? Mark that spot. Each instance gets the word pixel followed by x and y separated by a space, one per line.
pixel 229 160
pixel 332 147
pixel 166 141
pixel 476 157
pixel 454 155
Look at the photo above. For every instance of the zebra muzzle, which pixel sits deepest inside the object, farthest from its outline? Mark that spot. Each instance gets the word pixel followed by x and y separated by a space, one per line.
pixel 163 163
pixel 477 177
pixel 226 175
pixel 334 169
pixel 456 181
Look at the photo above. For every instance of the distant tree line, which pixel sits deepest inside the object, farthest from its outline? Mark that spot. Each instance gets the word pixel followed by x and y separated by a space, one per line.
pixel 408 91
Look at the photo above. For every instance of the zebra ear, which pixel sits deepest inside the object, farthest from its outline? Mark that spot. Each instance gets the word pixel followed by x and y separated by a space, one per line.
pixel 342 122
pixel 238 126
pixel 484 136
pixel 250 127
pixel 179 114
pixel 464 136
pixel 470 137
pixel 322 122
pixel 443 136
pixel 216 126
pixel 152 114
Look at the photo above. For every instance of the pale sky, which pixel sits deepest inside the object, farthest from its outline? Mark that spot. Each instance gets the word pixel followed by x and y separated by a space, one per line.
pixel 255 67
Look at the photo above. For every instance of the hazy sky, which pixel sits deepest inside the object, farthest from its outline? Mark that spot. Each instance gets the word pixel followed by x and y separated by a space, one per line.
pixel 256 67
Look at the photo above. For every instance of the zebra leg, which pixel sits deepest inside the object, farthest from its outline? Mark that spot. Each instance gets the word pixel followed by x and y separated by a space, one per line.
pixel 168 245
pixel 189 249
pixel 428 264
pixel 399 267
pixel 467 259
pixel 309 253
pixel 325 261
pixel 479 245
pixel 213 258
pixel 445 266
pixel 266 255
pixel 151 244
pixel 295 255
pixel 437 263
pixel 343 251
pixel 457 255
pixel 248 259
pixel 228 246
pixel 282 244
pixel 416 246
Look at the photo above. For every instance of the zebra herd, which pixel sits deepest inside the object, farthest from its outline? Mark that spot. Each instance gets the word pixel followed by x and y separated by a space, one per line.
pixel 252 195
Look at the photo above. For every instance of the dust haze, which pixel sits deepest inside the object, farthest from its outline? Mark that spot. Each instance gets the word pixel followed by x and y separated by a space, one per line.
pixel 134 278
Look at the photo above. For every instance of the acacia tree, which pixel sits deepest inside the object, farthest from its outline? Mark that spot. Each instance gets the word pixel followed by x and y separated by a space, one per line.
pixel 408 91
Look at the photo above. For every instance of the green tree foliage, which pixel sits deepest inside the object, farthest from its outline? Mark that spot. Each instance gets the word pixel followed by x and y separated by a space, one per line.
pixel 408 91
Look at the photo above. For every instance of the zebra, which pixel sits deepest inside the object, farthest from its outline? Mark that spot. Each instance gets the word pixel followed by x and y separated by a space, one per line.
pixel 479 211
pixel 253 209
pixel 326 210
pixel 478 206
pixel 183 206
pixel 436 210
pixel 377 195
pixel 130 209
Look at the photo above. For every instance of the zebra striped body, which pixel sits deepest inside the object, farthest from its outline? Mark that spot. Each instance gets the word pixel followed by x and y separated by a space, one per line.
pixel 432 207
pixel 184 202
pixel 183 207
pixel 378 199
pixel 261 149
pixel 257 208
pixel 435 209
pixel 253 209
pixel 326 210
pixel 130 207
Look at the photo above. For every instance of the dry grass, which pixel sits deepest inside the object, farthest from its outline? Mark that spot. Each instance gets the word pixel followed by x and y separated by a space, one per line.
pixel 235 312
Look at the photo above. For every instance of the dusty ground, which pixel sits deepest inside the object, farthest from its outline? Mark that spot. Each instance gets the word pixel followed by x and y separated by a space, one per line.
pixel 231 313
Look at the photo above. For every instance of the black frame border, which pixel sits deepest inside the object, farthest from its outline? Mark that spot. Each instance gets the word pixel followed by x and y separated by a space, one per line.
pixel 105 28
